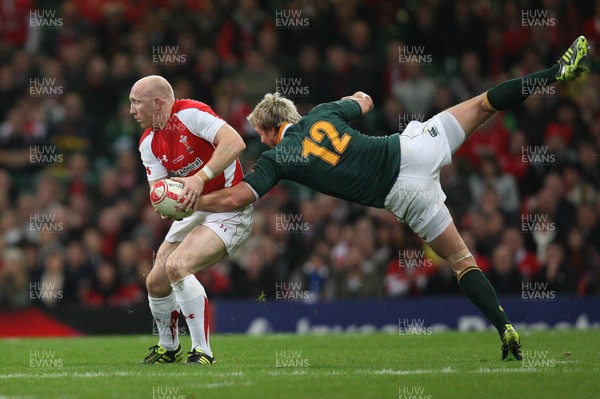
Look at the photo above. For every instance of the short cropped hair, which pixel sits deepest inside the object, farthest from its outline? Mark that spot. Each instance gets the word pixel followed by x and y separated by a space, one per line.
pixel 272 111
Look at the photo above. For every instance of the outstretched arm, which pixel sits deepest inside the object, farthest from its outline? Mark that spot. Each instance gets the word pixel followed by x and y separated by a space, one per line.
pixel 227 199
pixel 363 99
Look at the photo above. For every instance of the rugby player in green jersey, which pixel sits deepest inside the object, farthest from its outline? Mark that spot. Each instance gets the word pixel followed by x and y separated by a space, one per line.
pixel 381 171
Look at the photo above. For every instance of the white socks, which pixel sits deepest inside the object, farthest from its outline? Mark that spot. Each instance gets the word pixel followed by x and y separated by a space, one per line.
pixel 166 314
pixel 191 297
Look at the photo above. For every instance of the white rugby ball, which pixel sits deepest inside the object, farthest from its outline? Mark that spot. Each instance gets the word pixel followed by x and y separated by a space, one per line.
pixel 164 196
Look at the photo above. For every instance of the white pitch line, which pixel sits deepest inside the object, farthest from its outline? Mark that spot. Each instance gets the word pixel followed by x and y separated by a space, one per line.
pixel 286 372
pixel 114 374
pixel 396 372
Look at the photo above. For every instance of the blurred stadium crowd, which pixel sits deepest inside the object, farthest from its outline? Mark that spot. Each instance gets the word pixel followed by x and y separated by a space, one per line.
pixel 76 224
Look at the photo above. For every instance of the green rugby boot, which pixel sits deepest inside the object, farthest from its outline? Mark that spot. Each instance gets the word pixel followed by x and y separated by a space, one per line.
pixel 158 354
pixel 575 61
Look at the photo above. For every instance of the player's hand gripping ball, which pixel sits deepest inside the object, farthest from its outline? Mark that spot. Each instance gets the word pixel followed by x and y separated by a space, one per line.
pixel 164 196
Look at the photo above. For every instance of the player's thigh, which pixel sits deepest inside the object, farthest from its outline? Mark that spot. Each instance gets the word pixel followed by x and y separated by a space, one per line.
pixel 450 246
pixel 471 113
pixel 200 249
pixel 157 281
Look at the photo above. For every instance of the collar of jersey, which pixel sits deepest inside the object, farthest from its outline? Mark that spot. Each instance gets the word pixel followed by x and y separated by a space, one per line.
pixel 281 131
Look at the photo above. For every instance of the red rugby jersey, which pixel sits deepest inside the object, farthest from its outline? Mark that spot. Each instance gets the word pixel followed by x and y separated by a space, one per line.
pixel 185 144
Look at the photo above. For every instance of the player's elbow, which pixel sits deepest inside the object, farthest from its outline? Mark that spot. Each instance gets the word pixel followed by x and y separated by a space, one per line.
pixel 364 101
pixel 241 146
pixel 367 102
pixel 238 146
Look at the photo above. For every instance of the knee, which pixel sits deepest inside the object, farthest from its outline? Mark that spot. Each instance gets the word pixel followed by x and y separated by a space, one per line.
pixel 176 268
pixel 157 287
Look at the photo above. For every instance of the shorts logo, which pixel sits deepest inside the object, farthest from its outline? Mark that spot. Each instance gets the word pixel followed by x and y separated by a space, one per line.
pixel 223 228
pixel 433 131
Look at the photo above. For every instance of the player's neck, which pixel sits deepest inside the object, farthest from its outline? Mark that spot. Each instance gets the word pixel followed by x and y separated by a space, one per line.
pixel 281 131
pixel 161 121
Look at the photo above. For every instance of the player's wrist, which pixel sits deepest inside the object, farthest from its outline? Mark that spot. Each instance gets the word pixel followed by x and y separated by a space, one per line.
pixel 205 174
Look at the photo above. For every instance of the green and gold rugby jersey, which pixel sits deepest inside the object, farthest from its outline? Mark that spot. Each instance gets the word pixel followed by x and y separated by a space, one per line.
pixel 324 153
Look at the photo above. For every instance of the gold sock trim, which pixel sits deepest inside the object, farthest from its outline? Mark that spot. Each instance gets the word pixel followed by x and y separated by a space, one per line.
pixel 460 274
pixel 487 102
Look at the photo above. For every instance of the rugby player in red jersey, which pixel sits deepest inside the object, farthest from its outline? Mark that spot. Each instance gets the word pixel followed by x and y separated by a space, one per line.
pixel 185 139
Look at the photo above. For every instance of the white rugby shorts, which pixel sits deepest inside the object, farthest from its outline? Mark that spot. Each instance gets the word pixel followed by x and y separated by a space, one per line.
pixel 232 227
pixel 417 198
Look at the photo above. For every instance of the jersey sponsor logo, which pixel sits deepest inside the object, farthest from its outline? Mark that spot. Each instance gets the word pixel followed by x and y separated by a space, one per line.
pixel 188 168
pixel 179 158
pixel 433 132
pixel 163 159
pixel 148 171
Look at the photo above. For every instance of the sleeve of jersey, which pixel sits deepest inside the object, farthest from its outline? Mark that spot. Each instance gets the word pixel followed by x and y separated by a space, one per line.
pixel 263 176
pixel 201 123
pixel 154 169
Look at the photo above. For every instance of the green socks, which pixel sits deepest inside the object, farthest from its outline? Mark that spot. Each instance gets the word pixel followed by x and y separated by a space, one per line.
pixel 515 91
pixel 479 290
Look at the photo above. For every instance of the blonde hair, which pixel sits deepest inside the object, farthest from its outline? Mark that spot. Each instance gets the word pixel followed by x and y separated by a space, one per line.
pixel 272 111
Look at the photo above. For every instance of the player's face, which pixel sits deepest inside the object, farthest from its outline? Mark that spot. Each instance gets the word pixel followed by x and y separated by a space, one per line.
pixel 141 109
pixel 268 137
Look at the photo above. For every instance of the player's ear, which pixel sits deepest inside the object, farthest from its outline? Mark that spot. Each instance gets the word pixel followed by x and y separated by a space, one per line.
pixel 273 131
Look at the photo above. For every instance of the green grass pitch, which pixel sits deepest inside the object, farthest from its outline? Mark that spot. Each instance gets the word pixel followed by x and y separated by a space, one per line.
pixel 558 364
